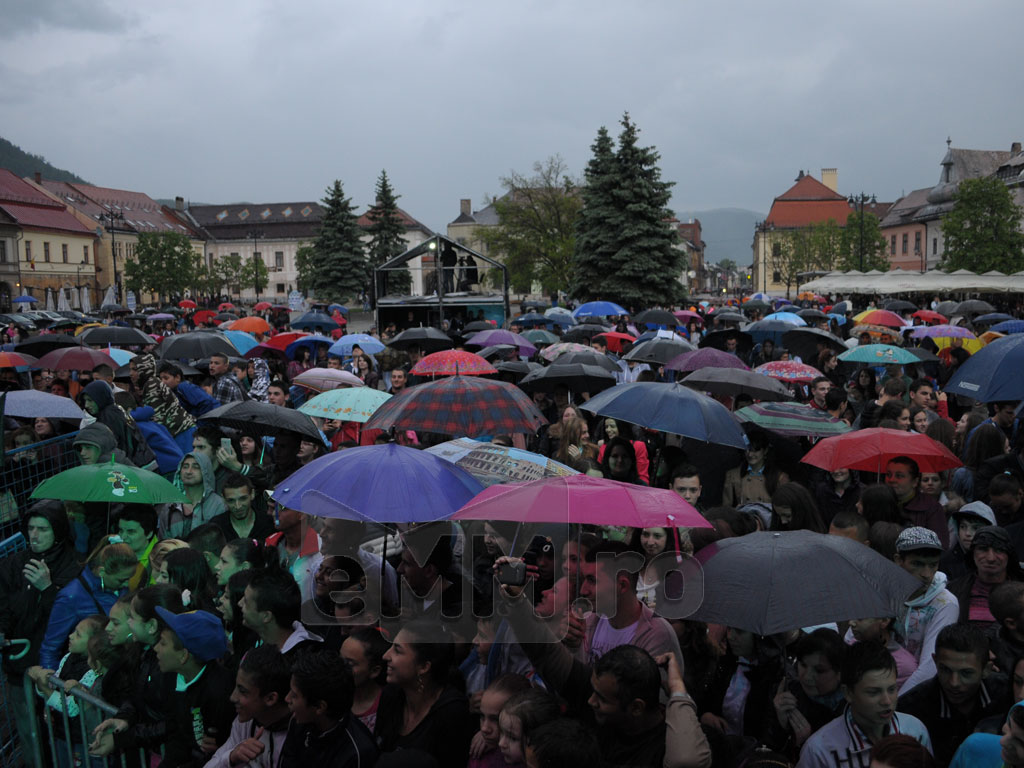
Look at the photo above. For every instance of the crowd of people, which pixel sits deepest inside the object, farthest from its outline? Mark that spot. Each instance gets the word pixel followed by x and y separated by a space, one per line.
pixel 230 630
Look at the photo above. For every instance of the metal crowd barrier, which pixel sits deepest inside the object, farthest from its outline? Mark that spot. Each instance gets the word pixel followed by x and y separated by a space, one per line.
pixel 23 469
pixel 11 749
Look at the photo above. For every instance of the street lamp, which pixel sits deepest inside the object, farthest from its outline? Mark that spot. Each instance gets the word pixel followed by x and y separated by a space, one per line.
pixel 110 217
pixel 255 235
pixel 857 202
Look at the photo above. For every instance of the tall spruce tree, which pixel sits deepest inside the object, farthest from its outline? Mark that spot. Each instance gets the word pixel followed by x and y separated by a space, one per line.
pixel 386 237
pixel 625 245
pixel 338 266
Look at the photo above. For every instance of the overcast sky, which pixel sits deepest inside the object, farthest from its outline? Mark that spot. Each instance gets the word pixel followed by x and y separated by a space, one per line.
pixel 268 101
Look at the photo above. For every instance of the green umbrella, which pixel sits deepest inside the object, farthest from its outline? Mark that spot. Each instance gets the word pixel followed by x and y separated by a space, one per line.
pixel 540 336
pixel 792 419
pixel 355 404
pixel 110 482
pixel 879 354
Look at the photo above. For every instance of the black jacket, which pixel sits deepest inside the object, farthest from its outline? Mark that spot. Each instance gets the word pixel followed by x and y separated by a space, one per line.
pixel 1010 463
pixel 349 745
pixel 444 733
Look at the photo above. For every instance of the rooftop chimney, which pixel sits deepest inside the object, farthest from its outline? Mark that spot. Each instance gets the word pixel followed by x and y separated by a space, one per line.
pixel 829 178
pixel 1015 148
pixel 466 206
pixel 179 203
pixel 39 176
pixel 799 176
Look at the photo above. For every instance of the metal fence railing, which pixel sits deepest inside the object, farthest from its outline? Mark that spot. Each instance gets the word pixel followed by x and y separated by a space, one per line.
pixel 10 745
pixel 23 469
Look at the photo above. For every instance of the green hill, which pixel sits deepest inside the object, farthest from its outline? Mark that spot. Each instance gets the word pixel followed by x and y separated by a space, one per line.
pixel 18 161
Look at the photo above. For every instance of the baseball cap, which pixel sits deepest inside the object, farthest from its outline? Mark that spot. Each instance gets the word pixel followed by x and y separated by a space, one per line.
pixel 200 632
pixel 916 538
pixel 977 509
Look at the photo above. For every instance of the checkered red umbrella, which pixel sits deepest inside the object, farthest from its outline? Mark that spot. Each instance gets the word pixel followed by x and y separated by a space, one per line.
pixel 452 362
pixel 460 406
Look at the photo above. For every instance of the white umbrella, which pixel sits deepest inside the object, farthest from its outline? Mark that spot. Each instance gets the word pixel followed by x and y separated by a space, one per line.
pixel 76 298
pixel 86 304
pixel 49 300
pixel 62 302
pixel 110 297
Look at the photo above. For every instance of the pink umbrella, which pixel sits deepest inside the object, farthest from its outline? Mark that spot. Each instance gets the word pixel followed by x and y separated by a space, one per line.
pixel 583 499
pixel 705 357
pixel 452 362
pixel 942 332
pixel 324 379
pixel 789 370
pixel 685 315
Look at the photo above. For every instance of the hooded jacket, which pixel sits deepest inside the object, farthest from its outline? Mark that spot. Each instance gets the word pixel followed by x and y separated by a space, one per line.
pixel 110 415
pixel 172 521
pixel 919 624
pixel 100 435
pixel 24 610
pixel 167 409
pixel 83 596
pixel 260 380
pixel 159 439
pixel 981 750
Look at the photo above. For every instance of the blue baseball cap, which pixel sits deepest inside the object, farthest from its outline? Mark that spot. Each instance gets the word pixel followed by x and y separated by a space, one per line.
pixel 200 632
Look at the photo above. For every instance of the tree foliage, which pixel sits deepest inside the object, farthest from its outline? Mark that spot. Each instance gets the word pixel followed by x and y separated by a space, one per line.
pixel 387 236
pixel 873 242
pixel 625 245
pixel 254 274
pixel 807 249
pixel 536 232
pixel 336 270
pixel 164 264
pixel 982 232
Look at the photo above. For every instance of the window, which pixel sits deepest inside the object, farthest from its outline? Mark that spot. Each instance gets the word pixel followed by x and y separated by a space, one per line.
pixel 3 251
pixel 917 242
pixel 892 245
pixel 234 254
pixel 28 250
pixel 46 252
pixel 935 246
pixel 85 254
pixel 64 252
pixel 279 259
pixel 257 255
pixel 776 277
pixel 280 287
pixel 906 240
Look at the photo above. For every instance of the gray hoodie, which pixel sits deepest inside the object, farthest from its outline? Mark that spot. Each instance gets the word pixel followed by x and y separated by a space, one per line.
pixel 172 522
pixel 100 435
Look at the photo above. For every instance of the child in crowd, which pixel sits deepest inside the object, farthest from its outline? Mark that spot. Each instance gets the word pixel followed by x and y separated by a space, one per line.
pixel 363 651
pixel 484 751
pixel 520 715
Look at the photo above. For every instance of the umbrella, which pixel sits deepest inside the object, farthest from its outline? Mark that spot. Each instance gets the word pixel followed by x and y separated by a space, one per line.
pixel 225 317
pixel 348 404
pixel 930 317
pixel 812 314
pixel 706 357
pixel 498 336
pixel 563 348
pixel 942 332
pixel 756 305
pixel 792 419
pixel 341 308
pixel 343 346
pixel 110 482
pixel 251 417
pixel 324 379
pixel 973 307
pixel 786 317
pixel 729 317
pixel 192 346
pixel 776 581
pixel 114 309
pixel 316 321
pixel 659 351
pixel 842 308
pixel 1007 326
pixel 768 329
pixel 687 316
pixel 25 299
pixel 789 370
pixel 187 304
pixel 584 333
pixel 494 464
pixel 993 374
pixel 262 306
pixel 427 339
pixel 807 343
pixel 538 336
pixel 879 354
pixel 899 305
pixel 947 308
pixel 291 349
pixel 585 500
pixel 477 325
pixel 282 340
pixel 669 408
pixel 733 381
pixel 589 356
pixel 40 345
pixel 923 355
pixel 251 325
pixel 614 341
pixel 871 449
pixel 498 350
pixel 719 340
pixel 12 360
pixel 161 316
pixel 224 306
pixel 120 356
pixel 379 483
pixel 240 340
pixel 517 368
pixel 461 406
pixel 531 318
pixel 203 316
pixel 563 312
pixel 266 351
pixel 74 359
pixel 598 309
pixel 992 318
pixel 452 362
pixel 28 403
pixel 876 332
pixel 576 377
pixel 656 317
pixel 113 334
pixel 880 317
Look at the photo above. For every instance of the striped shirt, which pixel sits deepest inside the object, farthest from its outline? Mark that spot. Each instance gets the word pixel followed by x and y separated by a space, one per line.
pixel 842 744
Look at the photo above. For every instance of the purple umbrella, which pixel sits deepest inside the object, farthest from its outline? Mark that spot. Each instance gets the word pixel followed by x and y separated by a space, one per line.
pixel 162 316
pixel 498 336
pixel 942 332
pixel 706 357
pixel 379 483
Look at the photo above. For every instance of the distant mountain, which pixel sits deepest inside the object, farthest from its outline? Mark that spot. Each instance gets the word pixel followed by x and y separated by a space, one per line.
pixel 23 163
pixel 728 232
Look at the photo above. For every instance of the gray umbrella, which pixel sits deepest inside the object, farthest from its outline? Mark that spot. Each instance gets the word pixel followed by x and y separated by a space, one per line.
pixel 771 582
pixel 733 381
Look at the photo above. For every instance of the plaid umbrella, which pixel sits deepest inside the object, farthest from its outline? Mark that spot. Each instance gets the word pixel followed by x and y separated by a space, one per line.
pixel 556 350
pixel 707 357
pixel 461 406
pixel 792 419
pixel 452 362
pixel 788 370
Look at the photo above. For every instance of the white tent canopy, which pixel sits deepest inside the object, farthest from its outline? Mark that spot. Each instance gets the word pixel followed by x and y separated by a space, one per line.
pixel 901 281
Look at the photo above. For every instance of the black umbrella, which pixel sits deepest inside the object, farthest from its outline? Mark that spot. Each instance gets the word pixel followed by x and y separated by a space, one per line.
pixel 518 368
pixel 656 317
pixel 251 417
pixel 790 308
pixel 589 358
pixel 427 339
pixel 583 333
pixel 807 343
pixel 531 318
pixel 717 339
pixel 223 317
pixel 38 346
pixel 659 351
pixel 812 314
pixel 756 304
pixel 476 325
pixel 499 350
pixel 842 308
pixel 534 305
pixel 735 381
pixel 947 308
pixel 923 354
pixel 115 309
pixel 576 377
pixel 899 305
pixel 728 317
pixel 972 307
pixel 112 334
pixel 193 346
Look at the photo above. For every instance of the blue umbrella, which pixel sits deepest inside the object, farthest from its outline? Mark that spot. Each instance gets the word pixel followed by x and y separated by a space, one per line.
pixel 25 299
pixel 1009 326
pixel 599 309
pixel 379 483
pixel 669 408
pixel 316 321
pixel 307 341
pixel 343 346
pixel 840 319
pixel 769 329
pixel 28 403
pixel 787 317
pixel 992 317
pixel 992 374
pixel 339 307
pixel 121 356
pixel 243 341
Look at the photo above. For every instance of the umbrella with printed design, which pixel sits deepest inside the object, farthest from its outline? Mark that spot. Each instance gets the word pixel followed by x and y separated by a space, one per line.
pixel 109 482
pixel 452 362
pixel 348 404
pixel 789 370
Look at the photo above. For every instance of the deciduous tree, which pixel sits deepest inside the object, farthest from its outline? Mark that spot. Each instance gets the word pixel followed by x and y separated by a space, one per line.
pixel 164 264
pixel 873 243
pixel 982 232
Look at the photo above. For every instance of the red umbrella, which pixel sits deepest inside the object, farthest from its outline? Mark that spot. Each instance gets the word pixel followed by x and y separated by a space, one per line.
pixel 251 325
pixel 262 305
pixel 789 370
pixel 930 317
pixel 282 340
pixel 871 449
pixel 880 317
pixel 224 306
pixel 204 317
pixel 187 304
pixel 12 360
pixel 615 340
pixel 452 362
pixel 74 359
